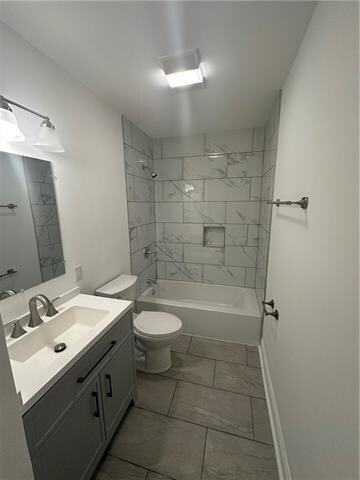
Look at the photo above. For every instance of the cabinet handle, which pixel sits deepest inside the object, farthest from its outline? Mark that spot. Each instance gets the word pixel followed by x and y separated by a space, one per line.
pixel 82 379
pixel 97 413
pixel 110 392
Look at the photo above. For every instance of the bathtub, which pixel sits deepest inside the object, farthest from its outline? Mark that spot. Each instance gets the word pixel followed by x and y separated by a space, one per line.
pixel 212 311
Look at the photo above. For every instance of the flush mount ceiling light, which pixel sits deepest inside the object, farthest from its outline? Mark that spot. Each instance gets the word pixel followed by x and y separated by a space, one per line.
pixel 47 139
pixel 183 69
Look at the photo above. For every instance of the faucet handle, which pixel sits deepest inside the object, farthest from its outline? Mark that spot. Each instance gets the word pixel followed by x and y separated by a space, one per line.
pixel 51 311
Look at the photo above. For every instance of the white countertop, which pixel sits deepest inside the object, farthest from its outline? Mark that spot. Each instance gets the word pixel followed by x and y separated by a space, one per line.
pixel 32 382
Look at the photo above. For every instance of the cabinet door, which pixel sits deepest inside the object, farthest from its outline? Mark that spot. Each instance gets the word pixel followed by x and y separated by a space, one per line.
pixel 118 384
pixel 73 447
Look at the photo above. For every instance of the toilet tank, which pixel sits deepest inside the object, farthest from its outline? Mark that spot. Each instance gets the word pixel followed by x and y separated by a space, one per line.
pixel 123 287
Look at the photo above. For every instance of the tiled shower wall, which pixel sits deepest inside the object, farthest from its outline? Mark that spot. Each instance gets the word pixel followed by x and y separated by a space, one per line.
pixel 207 196
pixel 268 176
pixel 40 185
pixel 138 151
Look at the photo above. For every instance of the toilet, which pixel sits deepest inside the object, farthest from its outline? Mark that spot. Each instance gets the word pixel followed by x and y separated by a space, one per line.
pixel 154 331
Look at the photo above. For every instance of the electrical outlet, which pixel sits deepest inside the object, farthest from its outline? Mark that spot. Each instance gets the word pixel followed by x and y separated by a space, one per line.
pixel 78 273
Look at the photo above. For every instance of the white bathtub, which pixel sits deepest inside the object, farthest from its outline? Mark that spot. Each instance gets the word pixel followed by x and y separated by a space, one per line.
pixel 212 311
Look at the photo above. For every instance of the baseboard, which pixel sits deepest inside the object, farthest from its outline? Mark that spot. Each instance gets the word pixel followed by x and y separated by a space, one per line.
pixel 279 443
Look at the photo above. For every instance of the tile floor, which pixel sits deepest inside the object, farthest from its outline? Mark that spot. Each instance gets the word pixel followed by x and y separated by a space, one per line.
pixel 204 419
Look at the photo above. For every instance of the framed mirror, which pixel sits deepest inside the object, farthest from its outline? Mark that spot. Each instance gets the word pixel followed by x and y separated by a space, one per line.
pixel 31 249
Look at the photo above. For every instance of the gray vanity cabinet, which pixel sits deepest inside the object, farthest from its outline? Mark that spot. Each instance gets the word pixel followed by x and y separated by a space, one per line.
pixel 73 447
pixel 117 379
pixel 69 428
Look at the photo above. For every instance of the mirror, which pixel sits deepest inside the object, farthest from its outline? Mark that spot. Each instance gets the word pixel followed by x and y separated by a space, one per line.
pixel 31 250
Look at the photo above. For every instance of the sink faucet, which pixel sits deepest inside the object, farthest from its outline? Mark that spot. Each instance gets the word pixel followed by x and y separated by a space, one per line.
pixel 51 311
pixel 7 293
pixel 35 318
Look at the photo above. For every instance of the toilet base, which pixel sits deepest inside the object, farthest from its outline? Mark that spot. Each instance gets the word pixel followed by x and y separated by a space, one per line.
pixel 155 360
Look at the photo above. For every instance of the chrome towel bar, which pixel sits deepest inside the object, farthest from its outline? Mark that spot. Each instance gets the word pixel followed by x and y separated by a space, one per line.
pixel 303 203
pixel 8 205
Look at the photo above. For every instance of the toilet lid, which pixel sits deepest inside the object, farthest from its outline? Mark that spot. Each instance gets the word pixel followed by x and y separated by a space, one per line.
pixel 156 324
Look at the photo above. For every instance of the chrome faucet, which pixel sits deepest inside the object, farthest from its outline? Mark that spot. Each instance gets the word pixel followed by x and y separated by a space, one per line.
pixel 35 318
pixel 7 293
pixel 51 311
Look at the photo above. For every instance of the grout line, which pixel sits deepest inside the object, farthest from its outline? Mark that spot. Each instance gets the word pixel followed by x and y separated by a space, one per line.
pixel 252 417
pixel 172 398
pixel 204 452
pixel 149 470
pixel 188 347
pixel 213 379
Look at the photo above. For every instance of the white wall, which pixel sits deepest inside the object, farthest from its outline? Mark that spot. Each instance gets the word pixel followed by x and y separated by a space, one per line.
pixel 90 183
pixel 312 351
pixel 91 199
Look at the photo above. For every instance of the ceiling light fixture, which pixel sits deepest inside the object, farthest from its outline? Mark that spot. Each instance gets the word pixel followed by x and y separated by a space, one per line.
pixel 183 69
pixel 47 139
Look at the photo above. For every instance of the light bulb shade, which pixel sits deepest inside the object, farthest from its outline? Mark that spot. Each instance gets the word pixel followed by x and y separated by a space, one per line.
pixel 9 128
pixel 47 139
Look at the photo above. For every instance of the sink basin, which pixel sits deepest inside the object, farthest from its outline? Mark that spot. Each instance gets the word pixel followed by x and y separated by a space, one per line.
pixel 68 326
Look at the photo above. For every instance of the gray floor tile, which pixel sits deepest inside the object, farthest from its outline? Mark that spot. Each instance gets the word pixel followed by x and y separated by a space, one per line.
pixel 240 379
pixel 156 476
pixel 191 368
pixel 154 392
pixel 262 428
pixel 226 411
pixel 235 458
pixel 162 444
pixel 253 358
pixel 226 351
pixel 114 469
pixel 181 344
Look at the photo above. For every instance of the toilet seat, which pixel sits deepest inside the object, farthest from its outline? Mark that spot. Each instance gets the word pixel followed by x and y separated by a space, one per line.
pixel 157 324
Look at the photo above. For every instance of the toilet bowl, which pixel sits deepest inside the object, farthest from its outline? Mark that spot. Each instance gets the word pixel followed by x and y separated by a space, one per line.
pixel 154 331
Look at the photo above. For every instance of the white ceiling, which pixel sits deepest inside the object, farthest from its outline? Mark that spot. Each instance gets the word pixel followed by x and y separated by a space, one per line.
pixel 112 47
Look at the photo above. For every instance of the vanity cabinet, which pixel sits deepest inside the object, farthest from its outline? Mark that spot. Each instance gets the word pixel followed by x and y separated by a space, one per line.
pixel 69 428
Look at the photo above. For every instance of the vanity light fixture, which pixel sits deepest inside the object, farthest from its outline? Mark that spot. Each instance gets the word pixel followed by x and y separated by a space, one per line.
pixel 47 139
pixel 183 69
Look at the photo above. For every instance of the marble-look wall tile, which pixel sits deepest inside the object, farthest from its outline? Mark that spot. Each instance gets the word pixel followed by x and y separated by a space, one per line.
pixel 160 232
pixel 243 212
pixel 133 239
pixel 158 191
pixel 169 169
pixel 143 190
pixel 141 141
pixel 171 252
pixel 54 233
pixel 205 167
pixel 268 185
pixel 255 188
pixel 126 124
pixel 38 170
pixel 214 236
pixel 45 215
pixel 42 235
pixel 183 191
pixel 183 232
pixel 224 275
pixel 204 212
pixel 253 235
pixel 169 212
pixel 145 235
pixel 227 189
pixel 157 148
pixel 241 256
pixel 184 272
pixel 259 139
pixel 231 141
pixel 134 162
pixel 161 270
pixel 187 145
pixel 147 276
pixel 51 254
pixel 140 262
pixel 245 164
pixel 194 253
pixel 250 277
pixel 236 234
pixel 139 213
